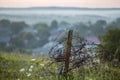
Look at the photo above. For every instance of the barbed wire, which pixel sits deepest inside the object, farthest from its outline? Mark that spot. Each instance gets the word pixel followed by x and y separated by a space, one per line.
pixel 82 52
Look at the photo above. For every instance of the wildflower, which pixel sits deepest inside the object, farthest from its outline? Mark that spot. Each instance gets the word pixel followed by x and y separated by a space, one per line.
pixel 30 70
pixel 22 70
pixel 33 59
pixel 88 78
pixel 41 77
pixel 96 60
pixel 28 74
pixel 18 79
pixel 106 67
pixel 56 68
pixel 42 65
pixel 31 66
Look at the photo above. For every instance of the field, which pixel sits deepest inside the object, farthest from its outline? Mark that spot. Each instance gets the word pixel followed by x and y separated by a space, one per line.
pixel 16 66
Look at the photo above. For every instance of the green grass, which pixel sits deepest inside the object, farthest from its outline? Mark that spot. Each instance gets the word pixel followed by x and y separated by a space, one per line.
pixel 16 66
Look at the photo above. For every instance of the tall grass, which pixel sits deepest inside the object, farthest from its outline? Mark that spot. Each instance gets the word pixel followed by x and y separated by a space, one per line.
pixel 16 66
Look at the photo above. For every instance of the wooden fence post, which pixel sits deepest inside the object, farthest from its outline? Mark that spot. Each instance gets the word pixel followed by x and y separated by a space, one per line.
pixel 67 51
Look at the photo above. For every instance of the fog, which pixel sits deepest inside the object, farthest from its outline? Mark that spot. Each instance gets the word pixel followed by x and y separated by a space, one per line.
pixel 32 16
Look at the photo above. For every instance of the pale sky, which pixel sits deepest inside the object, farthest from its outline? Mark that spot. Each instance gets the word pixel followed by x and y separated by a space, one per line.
pixel 63 3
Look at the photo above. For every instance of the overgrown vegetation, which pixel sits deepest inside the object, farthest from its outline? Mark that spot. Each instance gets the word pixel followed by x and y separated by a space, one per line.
pixel 15 66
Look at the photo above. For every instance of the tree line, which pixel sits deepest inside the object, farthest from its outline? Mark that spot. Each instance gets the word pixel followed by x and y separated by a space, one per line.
pixel 19 36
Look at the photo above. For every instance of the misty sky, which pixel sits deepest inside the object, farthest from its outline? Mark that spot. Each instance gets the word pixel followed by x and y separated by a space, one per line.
pixel 63 3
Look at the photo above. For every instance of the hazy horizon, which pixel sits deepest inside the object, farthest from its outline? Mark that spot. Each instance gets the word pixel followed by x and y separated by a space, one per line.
pixel 60 3
pixel 63 7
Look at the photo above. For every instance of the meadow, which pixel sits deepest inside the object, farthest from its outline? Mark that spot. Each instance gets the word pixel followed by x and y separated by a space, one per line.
pixel 16 66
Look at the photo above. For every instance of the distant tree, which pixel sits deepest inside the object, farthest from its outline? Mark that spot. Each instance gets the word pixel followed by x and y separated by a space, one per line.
pixel 82 29
pixel 118 22
pixel 16 27
pixel 110 45
pixel 5 33
pixel 4 23
pixel 99 27
pixel 5 28
pixel 114 24
pixel 54 24
pixel 43 33
pixel 23 40
pixel 28 39
pixel 17 41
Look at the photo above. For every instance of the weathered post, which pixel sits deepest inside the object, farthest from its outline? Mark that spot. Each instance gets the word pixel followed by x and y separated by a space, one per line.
pixel 67 51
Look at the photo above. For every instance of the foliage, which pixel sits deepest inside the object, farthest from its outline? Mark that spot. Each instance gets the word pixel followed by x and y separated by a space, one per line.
pixel 54 24
pixel 4 23
pixel 26 40
pixel 17 66
pixel 110 45
pixel 5 28
pixel 16 27
pixel 98 27
pixel 114 24
pixel 19 36
pixel 82 29
pixel 43 33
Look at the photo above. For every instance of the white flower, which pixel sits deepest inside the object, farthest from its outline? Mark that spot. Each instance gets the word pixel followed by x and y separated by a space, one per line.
pixel 33 59
pixel 56 68
pixel 106 67
pixel 31 66
pixel 22 70
pixel 41 77
pixel 96 60
pixel 28 74
pixel 42 65
pixel 88 78
pixel 30 70
pixel 18 79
